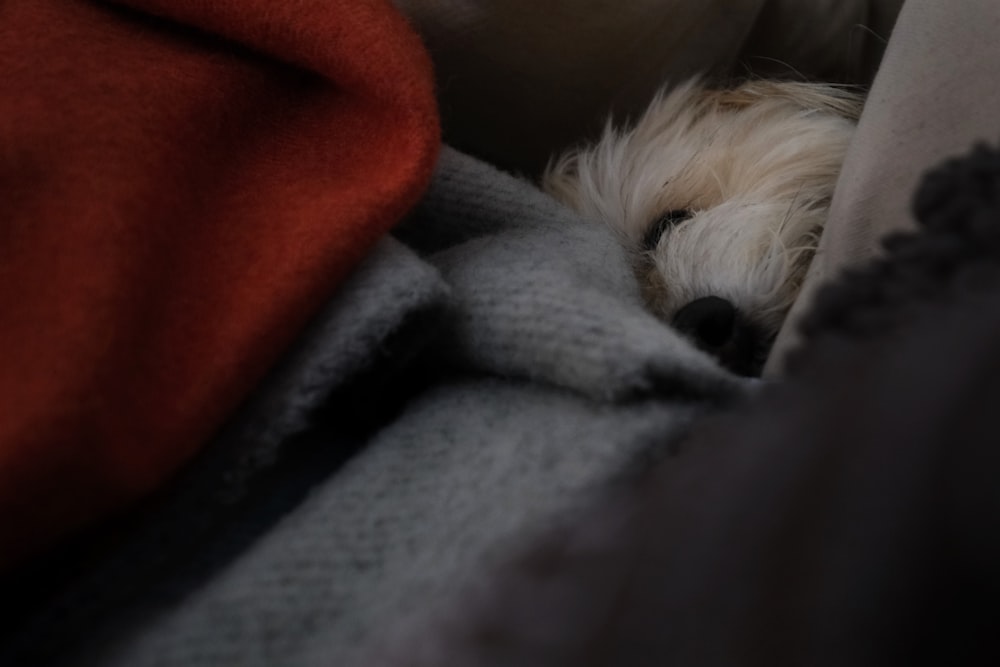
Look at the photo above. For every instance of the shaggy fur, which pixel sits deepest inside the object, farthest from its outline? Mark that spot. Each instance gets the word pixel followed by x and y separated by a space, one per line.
pixel 719 193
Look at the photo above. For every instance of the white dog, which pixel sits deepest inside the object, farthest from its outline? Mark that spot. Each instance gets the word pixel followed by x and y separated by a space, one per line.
pixel 721 194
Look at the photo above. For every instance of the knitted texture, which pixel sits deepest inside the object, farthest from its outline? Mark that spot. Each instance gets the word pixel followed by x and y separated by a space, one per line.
pixel 541 294
pixel 955 249
pixel 498 440
pixel 426 506
pixel 259 466
pixel 184 183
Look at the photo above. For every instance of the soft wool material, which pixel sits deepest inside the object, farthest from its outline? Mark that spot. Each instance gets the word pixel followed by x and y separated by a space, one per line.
pixel 183 184
pixel 531 377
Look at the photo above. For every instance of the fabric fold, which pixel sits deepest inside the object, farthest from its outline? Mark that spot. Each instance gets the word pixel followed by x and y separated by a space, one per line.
pixel 184 185
pixel 538 383
pixel 541 295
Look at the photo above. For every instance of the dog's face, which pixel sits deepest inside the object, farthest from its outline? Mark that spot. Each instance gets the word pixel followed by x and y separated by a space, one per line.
pixel 721 196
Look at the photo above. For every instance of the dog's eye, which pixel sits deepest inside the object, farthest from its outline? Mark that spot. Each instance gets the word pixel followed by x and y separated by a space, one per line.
pixel 662 224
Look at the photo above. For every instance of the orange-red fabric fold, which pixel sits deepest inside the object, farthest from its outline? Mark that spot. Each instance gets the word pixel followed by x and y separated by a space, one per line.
pixel 182 184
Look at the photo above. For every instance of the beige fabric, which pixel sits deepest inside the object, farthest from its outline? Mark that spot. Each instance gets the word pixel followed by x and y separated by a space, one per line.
pixel 935 94
pixel 522 79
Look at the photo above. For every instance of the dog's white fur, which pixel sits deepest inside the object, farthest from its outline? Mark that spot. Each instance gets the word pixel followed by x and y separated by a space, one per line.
pixel 756 167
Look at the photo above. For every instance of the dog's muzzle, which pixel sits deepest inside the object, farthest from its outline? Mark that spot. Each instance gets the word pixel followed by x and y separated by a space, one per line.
pixel 716 326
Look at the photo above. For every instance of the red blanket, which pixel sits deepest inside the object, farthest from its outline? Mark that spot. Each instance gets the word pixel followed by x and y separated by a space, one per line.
pixel 182 184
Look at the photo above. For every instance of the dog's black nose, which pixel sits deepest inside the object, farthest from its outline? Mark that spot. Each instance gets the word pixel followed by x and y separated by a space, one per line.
pixel 716 326
pixel 710 321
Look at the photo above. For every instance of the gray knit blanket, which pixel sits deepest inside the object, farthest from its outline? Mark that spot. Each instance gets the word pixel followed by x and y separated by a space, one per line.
pixel 484 376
